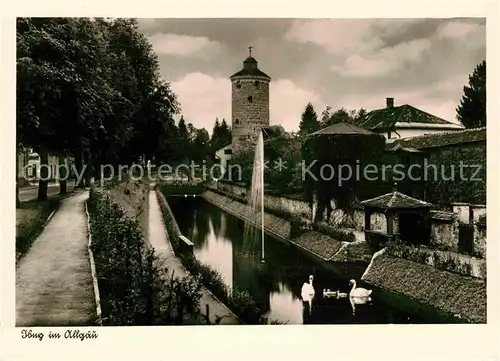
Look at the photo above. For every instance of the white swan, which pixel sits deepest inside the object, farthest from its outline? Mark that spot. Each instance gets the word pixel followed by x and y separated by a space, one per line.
pixel 307 294
pixel 358 292
pixel 308 289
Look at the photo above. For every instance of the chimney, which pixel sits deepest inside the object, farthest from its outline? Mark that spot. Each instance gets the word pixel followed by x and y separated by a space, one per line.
pixel 389 102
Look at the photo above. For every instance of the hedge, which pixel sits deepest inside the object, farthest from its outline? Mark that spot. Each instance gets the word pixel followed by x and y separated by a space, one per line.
pixel 237 300
pixel 134 287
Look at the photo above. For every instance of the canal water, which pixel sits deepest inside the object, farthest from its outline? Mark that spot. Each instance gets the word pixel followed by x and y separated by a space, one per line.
pixel 276 284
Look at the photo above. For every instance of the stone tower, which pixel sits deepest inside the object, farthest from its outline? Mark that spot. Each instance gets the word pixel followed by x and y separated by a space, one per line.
pixel 250 104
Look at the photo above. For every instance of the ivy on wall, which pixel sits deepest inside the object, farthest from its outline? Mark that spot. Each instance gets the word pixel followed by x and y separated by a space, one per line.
pixel 334 161
pixel 457 174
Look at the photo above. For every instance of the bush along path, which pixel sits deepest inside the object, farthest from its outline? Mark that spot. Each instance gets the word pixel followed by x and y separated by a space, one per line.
pixel 136 286
pixel 53 280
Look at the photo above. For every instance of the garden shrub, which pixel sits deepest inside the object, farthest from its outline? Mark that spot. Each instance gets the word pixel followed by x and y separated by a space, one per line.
pixel 440 260
pixel 456 187
pixel 336 233
pixel 377 241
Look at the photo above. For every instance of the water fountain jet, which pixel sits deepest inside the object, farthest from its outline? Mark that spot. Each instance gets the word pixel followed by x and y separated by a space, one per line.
pixel 256 196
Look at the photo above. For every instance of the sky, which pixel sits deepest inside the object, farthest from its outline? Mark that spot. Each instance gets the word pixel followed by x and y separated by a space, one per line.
pixel 349 63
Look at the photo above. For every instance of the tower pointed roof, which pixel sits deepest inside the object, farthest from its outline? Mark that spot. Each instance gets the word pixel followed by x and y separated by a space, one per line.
pixel 250 68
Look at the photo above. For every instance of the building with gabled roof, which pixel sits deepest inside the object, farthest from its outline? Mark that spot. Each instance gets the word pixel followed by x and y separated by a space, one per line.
pixel 441 140
pixel 404 121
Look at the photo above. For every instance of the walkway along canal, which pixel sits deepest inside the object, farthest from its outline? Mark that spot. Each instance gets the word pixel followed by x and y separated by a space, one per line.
pixel 276 284
pixel 54 280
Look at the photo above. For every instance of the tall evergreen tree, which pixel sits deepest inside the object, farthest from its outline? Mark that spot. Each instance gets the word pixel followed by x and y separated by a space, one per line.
pixel 183 140
pixel 360 115
pixel 309 121
pixel 225 133
pixel 472 109
pixel 215 139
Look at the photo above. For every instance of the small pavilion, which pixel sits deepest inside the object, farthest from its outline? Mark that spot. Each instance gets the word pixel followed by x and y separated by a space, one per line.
pixel 413 215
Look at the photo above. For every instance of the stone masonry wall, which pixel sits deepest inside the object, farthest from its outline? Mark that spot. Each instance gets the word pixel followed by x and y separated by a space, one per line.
pixel 250 111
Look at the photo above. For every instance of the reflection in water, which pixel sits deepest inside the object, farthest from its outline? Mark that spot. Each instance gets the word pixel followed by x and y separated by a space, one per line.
pixel 285 305
pixel 276 284
pixel 214 249
pixel 358 301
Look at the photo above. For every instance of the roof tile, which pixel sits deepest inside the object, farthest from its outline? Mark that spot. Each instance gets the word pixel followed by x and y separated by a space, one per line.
pixel 388 117
pixel 439 139
pixel 395 200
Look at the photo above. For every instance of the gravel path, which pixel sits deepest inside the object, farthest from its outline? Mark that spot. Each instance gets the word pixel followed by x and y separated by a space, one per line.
pixel 53 281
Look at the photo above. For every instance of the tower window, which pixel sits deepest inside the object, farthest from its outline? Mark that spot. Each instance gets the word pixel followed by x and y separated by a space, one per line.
pixel 250 99
pixel 238 84
pixel 256 83
pixel 237 121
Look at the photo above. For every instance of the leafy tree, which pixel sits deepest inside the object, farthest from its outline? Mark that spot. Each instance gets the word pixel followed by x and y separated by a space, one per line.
pixel 325 116
pixel 472 109
pixel 201 145
pixel 341 115
pixel 309 121
pixel 46 81
pixel 90 88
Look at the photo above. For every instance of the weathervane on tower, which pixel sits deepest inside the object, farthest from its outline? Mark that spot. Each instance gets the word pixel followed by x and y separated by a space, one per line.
pixel 250 50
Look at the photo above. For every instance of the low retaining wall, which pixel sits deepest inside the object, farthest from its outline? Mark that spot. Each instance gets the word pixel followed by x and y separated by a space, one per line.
pixel 274 224
pixel 458 296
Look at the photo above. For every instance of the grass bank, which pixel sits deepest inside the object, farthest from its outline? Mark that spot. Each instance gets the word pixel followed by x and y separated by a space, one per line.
pixel 31 218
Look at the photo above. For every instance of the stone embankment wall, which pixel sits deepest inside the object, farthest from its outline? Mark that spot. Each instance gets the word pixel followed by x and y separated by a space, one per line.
pixel 444 225
pixel 320 245
pixel 273 224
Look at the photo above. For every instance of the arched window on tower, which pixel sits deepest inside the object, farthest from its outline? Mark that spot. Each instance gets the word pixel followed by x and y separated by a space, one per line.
pixel 237 122
pixel 256 83
pixel 238 84
pixel 250 99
